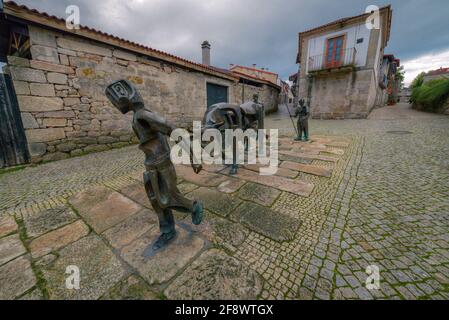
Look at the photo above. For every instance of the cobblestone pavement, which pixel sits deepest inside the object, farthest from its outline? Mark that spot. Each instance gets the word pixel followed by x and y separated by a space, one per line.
pixel 363 193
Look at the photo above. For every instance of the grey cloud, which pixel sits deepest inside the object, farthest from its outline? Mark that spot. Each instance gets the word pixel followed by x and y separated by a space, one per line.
pixel 252 31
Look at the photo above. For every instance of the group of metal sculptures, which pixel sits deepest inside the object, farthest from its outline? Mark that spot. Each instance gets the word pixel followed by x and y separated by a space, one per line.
pixel 152 130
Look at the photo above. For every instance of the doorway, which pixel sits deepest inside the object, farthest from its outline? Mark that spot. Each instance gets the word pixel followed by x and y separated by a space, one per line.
pixel 216 94
pixel 13 143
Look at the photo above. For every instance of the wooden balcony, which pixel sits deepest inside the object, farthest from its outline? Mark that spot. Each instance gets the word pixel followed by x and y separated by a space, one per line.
pixel 320 63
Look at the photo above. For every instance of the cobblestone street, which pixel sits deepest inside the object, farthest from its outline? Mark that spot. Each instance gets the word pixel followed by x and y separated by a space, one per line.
pixel 363 193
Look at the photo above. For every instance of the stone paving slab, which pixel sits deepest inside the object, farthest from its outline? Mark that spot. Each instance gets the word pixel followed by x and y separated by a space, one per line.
pixel 186 187
pixel 308 156
pixel 33 295
pixel 16 277
pixel 308 168
pixel 132 228
pixel 44 221
pixel 131 288
pixel 137 193
pixel 8 225
pixel 217 230
pixel 10 247
pixel 204 178
pixel 295 158
pixel 99 270
pixel 215 201
pixel 57 239
pixel 216 276
pixel 103 208
pixel 294 186
pixel 281 172
pixel 160 266
pixel 272 224
pixel 259 193
pixel 338 152
pixel 230 185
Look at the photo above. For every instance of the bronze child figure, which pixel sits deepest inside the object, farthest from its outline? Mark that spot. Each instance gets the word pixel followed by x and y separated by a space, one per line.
pixel 303 113
pixel 160 176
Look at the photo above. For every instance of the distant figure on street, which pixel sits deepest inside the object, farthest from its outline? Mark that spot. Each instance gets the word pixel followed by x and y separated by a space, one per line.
pixel 303 113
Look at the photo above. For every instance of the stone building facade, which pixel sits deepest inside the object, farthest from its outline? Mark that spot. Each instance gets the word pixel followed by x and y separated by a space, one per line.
pixel 340 64
pixel 60 86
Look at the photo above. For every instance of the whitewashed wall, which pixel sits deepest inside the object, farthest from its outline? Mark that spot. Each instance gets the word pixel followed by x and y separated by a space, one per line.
pixel 317 45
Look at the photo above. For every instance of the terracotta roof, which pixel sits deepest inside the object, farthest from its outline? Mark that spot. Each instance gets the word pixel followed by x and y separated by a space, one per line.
pixel 248 68
pixel 343 21
pixel 32 15
pixel 243 75
pixel 438 72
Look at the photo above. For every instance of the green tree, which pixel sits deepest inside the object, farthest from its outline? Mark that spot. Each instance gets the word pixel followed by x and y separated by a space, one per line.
pixel 418 81
pixel 400 76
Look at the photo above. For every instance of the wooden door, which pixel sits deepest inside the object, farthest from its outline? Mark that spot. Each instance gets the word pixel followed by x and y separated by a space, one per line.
pixel 216 94
pixel 13 144
pixel 334 52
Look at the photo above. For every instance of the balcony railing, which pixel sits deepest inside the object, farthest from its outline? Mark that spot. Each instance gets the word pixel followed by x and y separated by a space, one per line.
pixel 321 62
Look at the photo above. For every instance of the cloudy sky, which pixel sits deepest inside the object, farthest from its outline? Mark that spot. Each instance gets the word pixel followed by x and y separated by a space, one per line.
pixel 264 32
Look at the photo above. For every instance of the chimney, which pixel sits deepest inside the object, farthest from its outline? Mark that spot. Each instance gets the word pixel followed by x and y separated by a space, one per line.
pixel 205 46
pixel 254 66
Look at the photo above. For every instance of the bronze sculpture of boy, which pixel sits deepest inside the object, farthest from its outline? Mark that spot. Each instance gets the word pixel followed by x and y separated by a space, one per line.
pixel 160 176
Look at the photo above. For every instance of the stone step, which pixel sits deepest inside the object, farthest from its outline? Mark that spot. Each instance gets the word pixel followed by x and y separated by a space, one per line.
pixel 338 152
pixel 300 144
pixel 281 172
pixel 315 150
pixel 285 184
pixel 307 168
pixel 338 144
pixel 308 156
pixel 333 142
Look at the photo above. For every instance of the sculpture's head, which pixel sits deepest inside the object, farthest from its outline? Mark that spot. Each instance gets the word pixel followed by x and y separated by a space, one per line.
pixel 256 98
pixel 301 102
pixel 124 96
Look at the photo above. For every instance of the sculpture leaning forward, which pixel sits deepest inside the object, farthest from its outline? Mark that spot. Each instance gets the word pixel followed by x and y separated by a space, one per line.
pixel 160 176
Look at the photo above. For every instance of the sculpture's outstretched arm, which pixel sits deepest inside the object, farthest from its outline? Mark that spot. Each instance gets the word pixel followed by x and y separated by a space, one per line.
pixel 156 122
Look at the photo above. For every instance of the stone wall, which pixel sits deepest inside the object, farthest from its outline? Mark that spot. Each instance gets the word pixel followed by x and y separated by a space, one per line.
pixel 444 109
pixel 61 94
pixel 341 95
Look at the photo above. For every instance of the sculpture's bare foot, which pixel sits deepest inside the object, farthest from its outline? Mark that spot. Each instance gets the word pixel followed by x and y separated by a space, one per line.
pixel 198 213
pixel 163 240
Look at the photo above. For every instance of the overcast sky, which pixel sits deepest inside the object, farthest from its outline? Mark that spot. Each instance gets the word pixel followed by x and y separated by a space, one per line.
pixel 264 32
